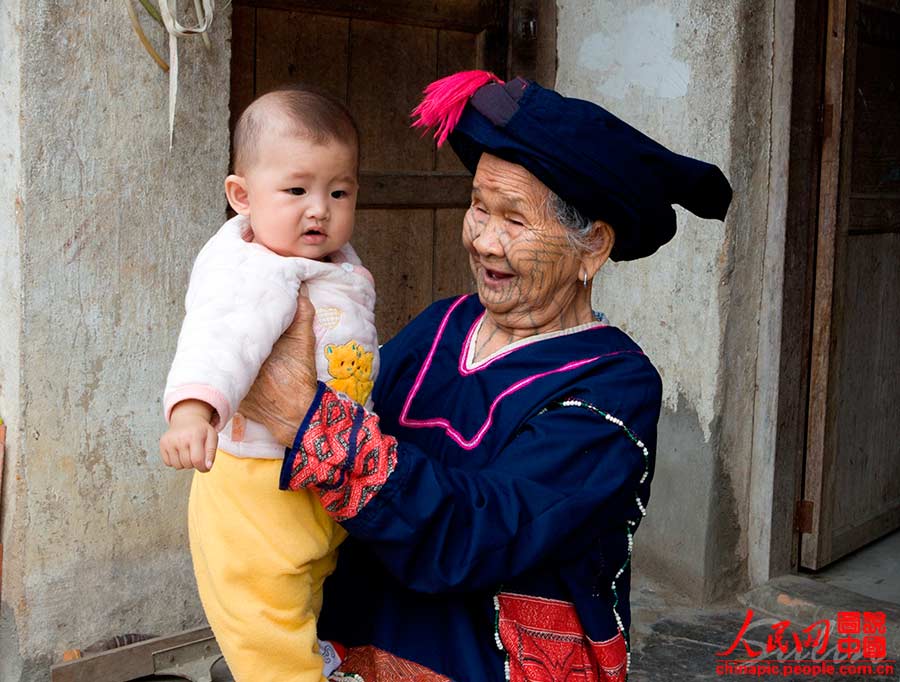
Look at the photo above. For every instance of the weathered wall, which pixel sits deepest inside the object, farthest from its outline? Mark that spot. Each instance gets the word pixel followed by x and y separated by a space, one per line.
pixel 10 306
pixel 696 75
pixel 110 219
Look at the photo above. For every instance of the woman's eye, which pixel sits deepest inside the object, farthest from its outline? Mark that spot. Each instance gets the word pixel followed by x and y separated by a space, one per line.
pixel 297 191
pixel 339 194
pixel 478 209
pixel 516 221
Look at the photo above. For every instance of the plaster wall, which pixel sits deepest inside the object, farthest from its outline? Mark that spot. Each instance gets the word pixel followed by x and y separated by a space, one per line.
pixel 10 296
pixel 108 221
pixel 697 76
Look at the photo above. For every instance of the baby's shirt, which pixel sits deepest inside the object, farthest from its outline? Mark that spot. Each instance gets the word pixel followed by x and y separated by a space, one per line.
pixel 240 299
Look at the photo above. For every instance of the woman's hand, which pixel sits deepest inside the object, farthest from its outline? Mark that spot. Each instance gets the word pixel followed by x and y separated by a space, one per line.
pixel 286 385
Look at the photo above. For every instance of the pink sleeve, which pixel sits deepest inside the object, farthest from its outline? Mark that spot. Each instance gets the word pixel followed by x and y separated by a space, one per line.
pixel 207 394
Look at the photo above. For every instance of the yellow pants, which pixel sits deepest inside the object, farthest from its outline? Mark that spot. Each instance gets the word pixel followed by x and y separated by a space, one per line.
pixel 260 557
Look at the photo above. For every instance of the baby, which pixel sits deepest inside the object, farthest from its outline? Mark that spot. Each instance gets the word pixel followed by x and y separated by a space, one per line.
pixel 261 555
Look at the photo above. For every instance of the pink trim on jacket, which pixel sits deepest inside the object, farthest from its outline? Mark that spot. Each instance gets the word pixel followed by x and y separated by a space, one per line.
pixel 471 443
pixel 511 348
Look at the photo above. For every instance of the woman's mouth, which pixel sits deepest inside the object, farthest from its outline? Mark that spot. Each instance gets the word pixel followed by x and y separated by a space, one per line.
pixel 495 277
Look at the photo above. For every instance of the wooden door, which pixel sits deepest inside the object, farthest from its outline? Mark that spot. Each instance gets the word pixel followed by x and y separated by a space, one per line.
pixel 852 477
pixel 377 57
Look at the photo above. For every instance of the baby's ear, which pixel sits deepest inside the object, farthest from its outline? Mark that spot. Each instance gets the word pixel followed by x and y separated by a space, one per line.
pixel 236 192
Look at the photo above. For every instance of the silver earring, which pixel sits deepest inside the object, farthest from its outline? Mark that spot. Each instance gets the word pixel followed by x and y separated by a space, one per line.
pixel 585 280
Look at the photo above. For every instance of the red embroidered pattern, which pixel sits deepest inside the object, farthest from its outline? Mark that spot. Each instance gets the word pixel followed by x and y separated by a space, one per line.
pixel 546 643
pixel 323 463
pixel 376 665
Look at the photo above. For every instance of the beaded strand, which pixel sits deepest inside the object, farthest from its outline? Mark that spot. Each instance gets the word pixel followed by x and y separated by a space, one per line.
pixel 573 402
pixel 497 639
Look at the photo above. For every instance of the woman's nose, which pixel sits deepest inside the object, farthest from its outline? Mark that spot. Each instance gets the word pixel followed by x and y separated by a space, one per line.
pixel 487 239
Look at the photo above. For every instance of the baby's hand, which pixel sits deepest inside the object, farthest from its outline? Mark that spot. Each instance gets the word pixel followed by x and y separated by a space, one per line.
pixel 190 442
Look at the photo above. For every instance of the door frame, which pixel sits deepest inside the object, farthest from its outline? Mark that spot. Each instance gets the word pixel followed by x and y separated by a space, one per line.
pixel 784 348
pixel 822 542
pixel 814 521
pixel 806 127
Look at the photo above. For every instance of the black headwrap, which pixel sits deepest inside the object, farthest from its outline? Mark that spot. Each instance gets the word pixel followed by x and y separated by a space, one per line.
pixel 594 161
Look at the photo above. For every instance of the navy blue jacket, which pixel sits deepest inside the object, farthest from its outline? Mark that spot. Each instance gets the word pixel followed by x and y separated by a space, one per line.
pixel 492 538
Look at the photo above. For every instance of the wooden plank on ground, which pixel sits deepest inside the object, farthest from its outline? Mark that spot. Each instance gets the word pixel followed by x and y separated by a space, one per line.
pixel 125 663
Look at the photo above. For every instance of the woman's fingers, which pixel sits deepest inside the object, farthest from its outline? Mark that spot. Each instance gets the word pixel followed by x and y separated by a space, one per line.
pixel 286 382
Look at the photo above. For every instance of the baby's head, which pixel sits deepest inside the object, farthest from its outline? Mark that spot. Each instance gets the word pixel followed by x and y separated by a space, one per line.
pixel 296 167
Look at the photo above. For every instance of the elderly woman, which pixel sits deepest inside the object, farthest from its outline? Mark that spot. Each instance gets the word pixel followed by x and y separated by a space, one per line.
pixel 492 501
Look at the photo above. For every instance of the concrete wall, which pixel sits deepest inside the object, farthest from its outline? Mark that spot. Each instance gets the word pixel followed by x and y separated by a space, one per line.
pixel 697 76
pixel 106 221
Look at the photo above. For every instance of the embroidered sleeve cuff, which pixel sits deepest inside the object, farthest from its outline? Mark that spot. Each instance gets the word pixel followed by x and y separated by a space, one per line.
pixel 339 453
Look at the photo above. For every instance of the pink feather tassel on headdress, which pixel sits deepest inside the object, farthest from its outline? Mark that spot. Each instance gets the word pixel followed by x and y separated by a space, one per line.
pixel 445 100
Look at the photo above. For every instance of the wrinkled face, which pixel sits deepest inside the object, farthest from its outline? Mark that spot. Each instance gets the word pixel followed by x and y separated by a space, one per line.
pixel 525 269
pixel 302 195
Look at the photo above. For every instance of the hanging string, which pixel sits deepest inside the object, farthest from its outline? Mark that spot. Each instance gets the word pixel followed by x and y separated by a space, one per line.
pixel 168 9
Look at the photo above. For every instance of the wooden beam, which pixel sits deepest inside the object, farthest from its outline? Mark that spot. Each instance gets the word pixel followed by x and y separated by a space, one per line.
pixel 471 16
pixel 799 261
pixel 415 190
pixel 814 551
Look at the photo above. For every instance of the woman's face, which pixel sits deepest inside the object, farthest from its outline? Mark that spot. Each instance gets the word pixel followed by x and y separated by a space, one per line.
pixel 527 273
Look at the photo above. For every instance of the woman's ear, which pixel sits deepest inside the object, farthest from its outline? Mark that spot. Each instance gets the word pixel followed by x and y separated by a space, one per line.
pixel 603 239
pixel 236 192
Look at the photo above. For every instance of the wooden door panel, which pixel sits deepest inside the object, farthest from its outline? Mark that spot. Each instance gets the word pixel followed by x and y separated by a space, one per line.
pixel 298 47
pixel 243 60
pixel 414 189
pixel 389 62
pixel 853 457
pixel 398 247
pixel 452 275
pixel 456 51
pixel 389 65
pixel 868 477
pixel 875 169
pixel 462 15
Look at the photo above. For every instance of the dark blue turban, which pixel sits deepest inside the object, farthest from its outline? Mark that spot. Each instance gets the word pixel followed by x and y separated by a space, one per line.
pixel 594 161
